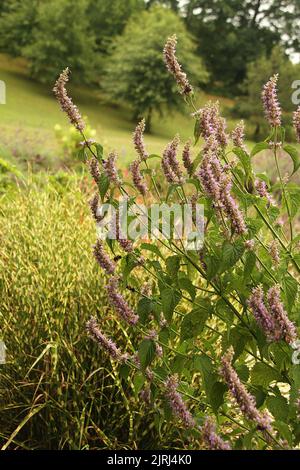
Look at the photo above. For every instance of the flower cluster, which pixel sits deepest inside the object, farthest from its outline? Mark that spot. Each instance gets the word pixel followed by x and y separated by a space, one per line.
pixel 272 317
pixel 176 402
pixel 211 438
pixel 186 158
pixel 244 400
pixel 138 140
pixel 238 136
pixel 152 335
pixel 137 177
pixel 66 102
pixel 296 123
pixel 107 344
pixel 174 67
pixel 270 102
pixel 103 259
pixel 217 185
pixel 262 190
pixel 94 169
pixel 274 252
pixel 110 168
pixel 210 123
pixel 170 164
pixel 119 303
pixel 123 242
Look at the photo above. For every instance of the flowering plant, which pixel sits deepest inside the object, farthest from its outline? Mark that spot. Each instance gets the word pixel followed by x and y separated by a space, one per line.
pixel 213 328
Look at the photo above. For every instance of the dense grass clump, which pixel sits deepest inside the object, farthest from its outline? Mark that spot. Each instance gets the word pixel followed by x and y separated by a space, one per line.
pixel 55 391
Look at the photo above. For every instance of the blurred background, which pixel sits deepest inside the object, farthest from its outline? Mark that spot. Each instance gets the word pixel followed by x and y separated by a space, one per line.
pixel 229 48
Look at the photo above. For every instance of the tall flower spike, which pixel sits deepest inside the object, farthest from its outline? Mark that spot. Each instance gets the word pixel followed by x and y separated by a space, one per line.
pixel 238 136
pixel 176 402
pixel 270 102
pixel 287 328
pixel 274 252
pixel 170 165
pixel 94 206
pixel 103 259
pixel 262 315
pixel 174 67
pixel 138 140
pixel 296 123
pixel 186 158
pixel 119 303
pixel 66 102
pixel 123 242
pixel 137 177
pixel 245 401
pixel 110 168
pixel 211 438
pixel 94 169
pixel 107 344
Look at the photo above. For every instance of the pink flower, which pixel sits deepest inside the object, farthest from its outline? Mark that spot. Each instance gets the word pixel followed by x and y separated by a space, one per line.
pixel 271 103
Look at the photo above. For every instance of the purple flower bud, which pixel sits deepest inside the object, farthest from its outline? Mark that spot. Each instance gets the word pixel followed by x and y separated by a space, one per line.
pixel 137 177
pixel 138 140
pixel 211 438
pixel 110 169
pixel 176 402
pixel 174 67
pixel 287 328
pixel 186 158
pixel 238 136
pixel 94 169
pixel 103 259
pixel 66 102
pixel 244 400
pixel 119 303
pixel 270 102
pixel 170 164
pixel 107 344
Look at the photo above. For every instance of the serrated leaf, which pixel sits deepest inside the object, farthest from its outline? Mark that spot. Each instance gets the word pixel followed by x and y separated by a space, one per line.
pixel 146 352
pixel 231 253
pixel 144 308
pixel 169 299
pixel 138 382
pixel 194 321
pixel 290 287
pixel 259 148
pixel 278 406
pixel 173 265
pixel 250 261
pixel 216 396
pixel 186 284
pixel 294 154
pixel 262 374
pixel 99 151
pixel 197 130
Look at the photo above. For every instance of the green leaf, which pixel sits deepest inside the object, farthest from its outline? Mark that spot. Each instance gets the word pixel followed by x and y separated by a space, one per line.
pixel 153 155
pixel 294 154
pixel 278 406
pixel 250 261
pixel 216 396
pixel 144 308
pixel 231 253
pixel 197 130
pixel 146 352
pixel 290 287
pixel 262 374
pixel 186 284
pixel 169 299
pixel 173 265
pixel 293 195
pixel 244 159
pixel 193 322
pixel 259 148
pixel 284 431
pixel 152 248
pixel 138 382
pixel 103 185
pixel 99 151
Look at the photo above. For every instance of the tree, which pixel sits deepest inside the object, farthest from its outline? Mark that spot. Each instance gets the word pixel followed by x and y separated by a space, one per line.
pixel 136 72
pixel 258 73
pixel 60 38
pixel 108 18
pixel 17 21
pixel 233 33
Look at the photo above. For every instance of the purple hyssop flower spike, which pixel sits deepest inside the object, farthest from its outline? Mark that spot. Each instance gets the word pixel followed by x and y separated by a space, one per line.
pixel 94 169
pixel 103 259
pixel 110 169
pixel 107 344
pixel 137 177
pixel 186 158
pixel 174 67
pixel 119 303
pixel 262 315
pixel 238 136
pixel 123 242
pixel 138 140
pixel 211 438
pixel 245 401
pixel 65 101
pixel 270 102
pixel 261 188
pixel 176 402
pixel 170 164
pixel 296 123
pixel 287 328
